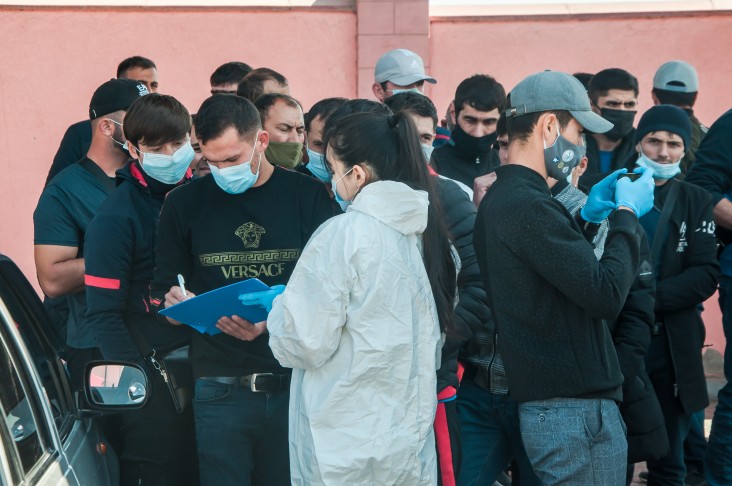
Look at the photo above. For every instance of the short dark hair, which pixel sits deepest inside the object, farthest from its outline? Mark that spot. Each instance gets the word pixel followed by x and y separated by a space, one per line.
pixel 481 92
pixel 252 86
pixel 584 78
pixel 501 128
pixel 359 105
pixel 413 104
pixel 223 111
pixel 156 119
pixel 666 97
pixel 265 102
pixel 230 73
pixel 520 127
pixel 613 78
pixel 134 62
pixel 323 109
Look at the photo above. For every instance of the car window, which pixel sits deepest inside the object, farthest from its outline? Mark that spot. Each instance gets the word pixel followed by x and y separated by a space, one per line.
pixel 30 318
pixel 17 415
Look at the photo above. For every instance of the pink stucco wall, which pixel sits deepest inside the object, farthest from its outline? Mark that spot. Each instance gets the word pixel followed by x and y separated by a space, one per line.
pixel 53 58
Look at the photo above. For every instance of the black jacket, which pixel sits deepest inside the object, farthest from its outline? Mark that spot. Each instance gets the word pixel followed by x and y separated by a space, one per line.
pixel 450 162
pixel 548 293
pixel 472 309
pixel 712 169
pixel 624 155
pixel 688 271
pixel 631 331
pixel 119 257
pixel 73 147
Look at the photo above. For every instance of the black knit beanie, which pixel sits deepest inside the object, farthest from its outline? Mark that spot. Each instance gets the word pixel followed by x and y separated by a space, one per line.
pixel 667 118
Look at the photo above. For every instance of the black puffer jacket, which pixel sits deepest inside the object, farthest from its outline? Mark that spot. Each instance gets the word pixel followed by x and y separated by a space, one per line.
pixel 472 310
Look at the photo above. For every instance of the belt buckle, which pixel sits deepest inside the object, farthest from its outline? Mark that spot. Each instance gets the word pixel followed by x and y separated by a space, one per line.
pixel 253 381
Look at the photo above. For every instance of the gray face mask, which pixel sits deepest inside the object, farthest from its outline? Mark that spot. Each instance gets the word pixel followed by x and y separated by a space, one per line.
pixel 561 157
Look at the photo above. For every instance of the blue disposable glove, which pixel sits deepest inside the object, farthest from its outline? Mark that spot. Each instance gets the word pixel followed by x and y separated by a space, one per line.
pixel 601 200
pixel 264 298
pixel 637 195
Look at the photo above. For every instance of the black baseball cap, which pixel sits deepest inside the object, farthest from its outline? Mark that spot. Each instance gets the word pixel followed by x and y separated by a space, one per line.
pixel 115 95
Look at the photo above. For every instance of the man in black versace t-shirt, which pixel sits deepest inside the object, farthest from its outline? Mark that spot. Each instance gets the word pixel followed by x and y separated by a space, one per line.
pixel 250 219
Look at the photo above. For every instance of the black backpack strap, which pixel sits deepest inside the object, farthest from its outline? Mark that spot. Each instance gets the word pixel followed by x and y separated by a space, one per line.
pixel 106 181
pixel 660 236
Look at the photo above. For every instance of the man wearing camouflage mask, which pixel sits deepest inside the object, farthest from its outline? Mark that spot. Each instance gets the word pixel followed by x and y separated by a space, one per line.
pixel 614 96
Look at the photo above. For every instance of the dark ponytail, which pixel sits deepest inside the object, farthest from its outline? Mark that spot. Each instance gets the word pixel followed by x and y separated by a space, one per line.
pixel 388 147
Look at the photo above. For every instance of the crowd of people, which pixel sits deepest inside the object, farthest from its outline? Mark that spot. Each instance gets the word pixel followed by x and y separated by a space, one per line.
pixel 398 247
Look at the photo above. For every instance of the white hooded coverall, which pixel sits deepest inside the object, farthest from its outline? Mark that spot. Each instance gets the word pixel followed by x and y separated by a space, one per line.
pixel 358 325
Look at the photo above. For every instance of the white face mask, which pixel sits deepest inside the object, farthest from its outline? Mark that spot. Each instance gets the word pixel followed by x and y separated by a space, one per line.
pixel 660 171
pixel 408 90
pixel 427 149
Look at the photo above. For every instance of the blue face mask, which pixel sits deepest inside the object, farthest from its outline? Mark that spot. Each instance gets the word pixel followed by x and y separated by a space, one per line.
pixel 334 185
pixel 168 169
pixel 316 166
pixel 660 171
pixel 237 178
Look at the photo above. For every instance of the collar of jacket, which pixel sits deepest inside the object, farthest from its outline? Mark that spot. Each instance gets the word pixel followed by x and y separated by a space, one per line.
pixel 395 204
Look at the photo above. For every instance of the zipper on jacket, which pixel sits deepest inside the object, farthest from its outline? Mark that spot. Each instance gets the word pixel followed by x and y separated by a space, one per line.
pixel 477 160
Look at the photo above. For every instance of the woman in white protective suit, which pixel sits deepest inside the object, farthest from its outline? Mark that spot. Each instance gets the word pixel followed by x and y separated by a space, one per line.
pixel 360 320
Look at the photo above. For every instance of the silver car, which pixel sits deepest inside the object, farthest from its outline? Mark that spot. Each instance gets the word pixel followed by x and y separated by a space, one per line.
pixel 45 437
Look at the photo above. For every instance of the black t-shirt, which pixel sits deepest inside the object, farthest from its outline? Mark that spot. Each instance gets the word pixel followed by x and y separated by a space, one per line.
pixel 214 239
pixel 65 208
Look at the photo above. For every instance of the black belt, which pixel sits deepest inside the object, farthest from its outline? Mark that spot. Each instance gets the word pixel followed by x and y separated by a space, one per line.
pixel 257 382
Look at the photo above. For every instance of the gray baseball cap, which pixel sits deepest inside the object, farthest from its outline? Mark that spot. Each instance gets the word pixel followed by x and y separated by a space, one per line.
pixel 553 91
pixel 676 76
pixel 402 67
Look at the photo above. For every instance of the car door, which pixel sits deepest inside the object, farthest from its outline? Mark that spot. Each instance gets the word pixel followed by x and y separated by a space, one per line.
pixel 72 446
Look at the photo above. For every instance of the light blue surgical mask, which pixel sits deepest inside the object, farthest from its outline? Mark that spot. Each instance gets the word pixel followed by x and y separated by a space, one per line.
pixel 237 178
pixel 427 149
pixel 168 169
pixel 334 185
pixel 660 171
pixel 408 90
pixel 316 165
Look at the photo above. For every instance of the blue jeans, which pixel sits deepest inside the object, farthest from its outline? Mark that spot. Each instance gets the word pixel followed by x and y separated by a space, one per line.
pixel 241 435
pixel 719 449
pixel 575 441
pixel 489 426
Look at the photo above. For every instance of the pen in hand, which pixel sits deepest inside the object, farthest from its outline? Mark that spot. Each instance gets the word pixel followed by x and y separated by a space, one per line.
pixel 182 285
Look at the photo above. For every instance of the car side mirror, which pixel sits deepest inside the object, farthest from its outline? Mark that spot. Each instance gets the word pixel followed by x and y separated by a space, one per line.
pixel 115 385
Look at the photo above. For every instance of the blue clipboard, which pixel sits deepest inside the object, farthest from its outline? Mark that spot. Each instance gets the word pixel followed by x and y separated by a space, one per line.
pixel 203 311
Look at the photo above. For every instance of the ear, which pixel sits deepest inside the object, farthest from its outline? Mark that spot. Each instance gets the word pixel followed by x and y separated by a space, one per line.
pixel 106 127
pixel 549 125
pixel 656 101
pixel 262 141
pixel 451 110
pixel 133 152
pixel 581 167
pixel 360 176
pixel 378 92
pixel 638 148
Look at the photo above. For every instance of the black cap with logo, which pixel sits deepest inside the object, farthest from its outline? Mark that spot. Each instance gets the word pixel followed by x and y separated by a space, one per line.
pixel 115 95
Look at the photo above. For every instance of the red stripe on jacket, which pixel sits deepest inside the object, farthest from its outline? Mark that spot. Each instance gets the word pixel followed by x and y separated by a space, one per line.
pixel 101 282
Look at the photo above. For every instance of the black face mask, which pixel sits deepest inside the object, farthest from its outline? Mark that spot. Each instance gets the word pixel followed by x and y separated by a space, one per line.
pixel 622 121
pixel 473 146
